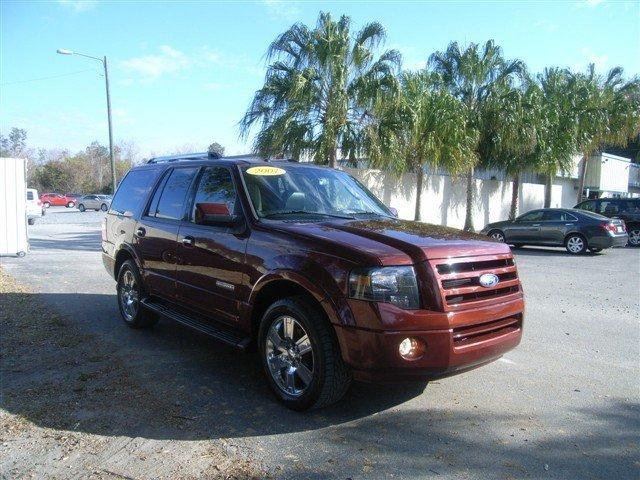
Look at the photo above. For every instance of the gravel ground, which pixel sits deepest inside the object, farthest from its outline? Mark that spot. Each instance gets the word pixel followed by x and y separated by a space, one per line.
pixel 90 395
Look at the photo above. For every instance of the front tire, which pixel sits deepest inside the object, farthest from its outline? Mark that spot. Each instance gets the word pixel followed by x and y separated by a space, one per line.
pixel 46 204
pixel 81 207
pixel 300 355
pixel 576 244
pixel 130 293
pixel 103 207
pixel 497 235
pixel 70 205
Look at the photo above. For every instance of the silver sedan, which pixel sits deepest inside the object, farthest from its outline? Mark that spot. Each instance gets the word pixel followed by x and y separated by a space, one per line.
pixel 95 202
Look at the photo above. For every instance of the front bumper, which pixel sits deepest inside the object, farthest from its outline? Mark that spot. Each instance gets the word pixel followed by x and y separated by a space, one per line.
pixel 470 339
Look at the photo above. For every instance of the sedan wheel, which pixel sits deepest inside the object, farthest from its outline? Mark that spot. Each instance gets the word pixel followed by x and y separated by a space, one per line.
pixel 70 205
pixel 497 235
pixel 103 207
pixel 81 208
pixel 576 244
pixel 634 236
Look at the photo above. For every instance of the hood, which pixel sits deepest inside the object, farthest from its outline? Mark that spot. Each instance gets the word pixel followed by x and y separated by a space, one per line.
pixel 398 242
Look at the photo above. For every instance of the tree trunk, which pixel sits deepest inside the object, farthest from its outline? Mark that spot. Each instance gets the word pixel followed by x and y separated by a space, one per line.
pixel 581 178
pixel 420 177
pixel 547 191
pixel 332 158
pixel 515 187
pixel 468 220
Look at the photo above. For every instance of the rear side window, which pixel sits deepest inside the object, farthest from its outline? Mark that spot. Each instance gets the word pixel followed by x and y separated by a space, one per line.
pixel 172 199
pixel 216 186
pixel 607 207
pixel 132 191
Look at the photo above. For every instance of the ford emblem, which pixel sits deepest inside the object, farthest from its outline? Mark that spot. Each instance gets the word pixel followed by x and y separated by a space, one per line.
pixel 489 280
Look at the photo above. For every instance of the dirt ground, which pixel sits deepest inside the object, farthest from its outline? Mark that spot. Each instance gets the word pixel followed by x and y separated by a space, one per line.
pixel 58 376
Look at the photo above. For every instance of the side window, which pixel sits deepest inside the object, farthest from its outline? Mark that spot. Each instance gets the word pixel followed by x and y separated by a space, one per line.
pixel 534 216
pixel 553 216
pixel 216 186
pixel 608 207
pixel 589 206
pixel 29 195
pixel 174 194
pixel 132 191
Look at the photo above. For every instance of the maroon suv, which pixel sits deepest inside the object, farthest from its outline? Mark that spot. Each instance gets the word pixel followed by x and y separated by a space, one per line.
pixel 304 262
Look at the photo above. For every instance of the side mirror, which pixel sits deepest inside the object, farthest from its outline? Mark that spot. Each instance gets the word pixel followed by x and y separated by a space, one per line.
pixel 394 211
pixel 215 214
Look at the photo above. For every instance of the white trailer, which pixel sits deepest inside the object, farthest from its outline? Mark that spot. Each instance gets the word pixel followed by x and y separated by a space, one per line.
pixel 13 207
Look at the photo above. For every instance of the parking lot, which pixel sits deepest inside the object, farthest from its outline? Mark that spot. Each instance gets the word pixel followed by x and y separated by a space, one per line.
pixel 112 402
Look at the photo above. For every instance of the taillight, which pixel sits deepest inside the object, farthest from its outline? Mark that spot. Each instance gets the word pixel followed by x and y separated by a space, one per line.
pixel 610 227
pixel 104 229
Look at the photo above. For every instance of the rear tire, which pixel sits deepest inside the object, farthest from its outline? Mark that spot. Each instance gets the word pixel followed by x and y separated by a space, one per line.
pixel 576 244
pixel 103 207
pixel 634 236
pixel 71 205
pixel 313 379
pixel 130 292
pixel 46 204
pixel 81 207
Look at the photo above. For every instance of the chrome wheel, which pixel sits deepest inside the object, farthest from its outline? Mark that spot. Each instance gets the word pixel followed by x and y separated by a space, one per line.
pixel 128 293
pixel 498 236
pixel 289 356
pixel 634 237
pixel 575 244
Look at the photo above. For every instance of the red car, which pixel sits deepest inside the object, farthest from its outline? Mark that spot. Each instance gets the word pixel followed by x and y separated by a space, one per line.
pixel 57 200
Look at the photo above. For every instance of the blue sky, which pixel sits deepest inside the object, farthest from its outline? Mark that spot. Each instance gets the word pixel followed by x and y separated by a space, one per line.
pixel 182 74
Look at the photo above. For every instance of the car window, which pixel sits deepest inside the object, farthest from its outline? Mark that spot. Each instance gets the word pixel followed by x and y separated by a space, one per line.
pixel 589 206
pixel 534 216
pixel 553 216
pixel 215 186
pixel 132 191
pixel 30 195
pixel 172 199
pixel 608 207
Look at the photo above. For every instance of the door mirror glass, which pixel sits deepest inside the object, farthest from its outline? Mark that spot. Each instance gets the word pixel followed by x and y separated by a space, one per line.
pixel 214 214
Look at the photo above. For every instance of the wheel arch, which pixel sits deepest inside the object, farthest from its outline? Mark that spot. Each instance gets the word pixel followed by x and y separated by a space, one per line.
pixel 124 253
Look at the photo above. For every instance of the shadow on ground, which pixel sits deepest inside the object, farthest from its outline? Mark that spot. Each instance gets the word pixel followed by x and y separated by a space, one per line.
pixel 88 241
pixel 92 374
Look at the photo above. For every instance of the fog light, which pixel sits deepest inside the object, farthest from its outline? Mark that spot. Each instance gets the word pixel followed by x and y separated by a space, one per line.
pixel 411 348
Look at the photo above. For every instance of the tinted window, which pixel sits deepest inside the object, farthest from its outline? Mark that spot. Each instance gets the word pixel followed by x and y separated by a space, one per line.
pixel 589 206
pixel 30 196
pixel 607 207
pixel 215 186
pixel 558 216
pixel 534 216
pixel 174 193
pixel 132 191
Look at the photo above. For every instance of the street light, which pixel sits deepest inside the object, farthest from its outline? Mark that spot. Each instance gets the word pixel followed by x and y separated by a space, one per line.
pixel 102 60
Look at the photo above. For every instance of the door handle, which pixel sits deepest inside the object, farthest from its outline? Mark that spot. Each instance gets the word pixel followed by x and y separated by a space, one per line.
pixel 535 225
pixel 188 241
pixel 140 232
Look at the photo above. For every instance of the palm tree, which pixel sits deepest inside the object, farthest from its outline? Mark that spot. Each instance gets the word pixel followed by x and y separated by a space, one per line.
pixel 512 123
pixel 422 125
pixel 318 91
pixel 474 75
pixel 607 112
pixel 557 133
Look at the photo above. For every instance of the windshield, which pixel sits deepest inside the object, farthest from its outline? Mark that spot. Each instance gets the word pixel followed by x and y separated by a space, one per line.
pixel 308 191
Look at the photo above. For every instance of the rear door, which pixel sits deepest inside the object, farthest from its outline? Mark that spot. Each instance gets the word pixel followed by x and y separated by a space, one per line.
pixel 210 271
pixel 555 225
pixel 157 230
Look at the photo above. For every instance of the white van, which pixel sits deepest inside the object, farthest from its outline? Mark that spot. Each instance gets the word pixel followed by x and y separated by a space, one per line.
pixel 34 206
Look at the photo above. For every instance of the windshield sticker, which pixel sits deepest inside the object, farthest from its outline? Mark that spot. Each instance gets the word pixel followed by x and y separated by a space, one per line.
pixel 265 171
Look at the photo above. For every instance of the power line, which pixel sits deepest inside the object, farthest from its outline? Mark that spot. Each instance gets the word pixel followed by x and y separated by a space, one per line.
pixel 48 78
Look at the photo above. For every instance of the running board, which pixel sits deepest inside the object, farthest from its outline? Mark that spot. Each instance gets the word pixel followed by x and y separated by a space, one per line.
pixel 219 332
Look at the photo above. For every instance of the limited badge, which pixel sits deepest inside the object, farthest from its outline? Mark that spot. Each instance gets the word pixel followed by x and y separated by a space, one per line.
pixel 265 171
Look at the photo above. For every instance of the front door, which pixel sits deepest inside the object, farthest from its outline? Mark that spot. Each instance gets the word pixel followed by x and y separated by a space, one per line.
pixel 210 270
pixel 526 228
pixel 157 231
pixel 555 225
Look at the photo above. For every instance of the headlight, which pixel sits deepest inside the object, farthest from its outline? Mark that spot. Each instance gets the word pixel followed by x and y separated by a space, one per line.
pixel 396 285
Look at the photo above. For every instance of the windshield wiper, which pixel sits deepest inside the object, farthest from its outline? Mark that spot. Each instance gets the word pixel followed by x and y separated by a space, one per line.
pixel 306 212
pixel 365 212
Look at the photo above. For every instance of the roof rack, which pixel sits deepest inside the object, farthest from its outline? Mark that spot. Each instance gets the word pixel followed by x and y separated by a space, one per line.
pixel 205 156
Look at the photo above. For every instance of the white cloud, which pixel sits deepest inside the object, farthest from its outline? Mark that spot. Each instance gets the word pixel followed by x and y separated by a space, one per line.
pixel 282 9
pixel 79 5
pixel 601 62
pixel 150 67
pixel 546 26
pixel 588 3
